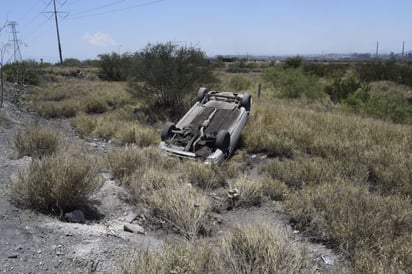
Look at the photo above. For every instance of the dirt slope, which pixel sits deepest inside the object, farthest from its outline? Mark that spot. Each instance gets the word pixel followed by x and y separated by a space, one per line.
pixel 35 243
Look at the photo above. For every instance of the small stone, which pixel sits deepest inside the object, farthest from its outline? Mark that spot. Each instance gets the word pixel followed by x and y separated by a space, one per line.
pixel 129 218
pixel 328 260
pixel 133 228
pixel 76 216
pixel 39 251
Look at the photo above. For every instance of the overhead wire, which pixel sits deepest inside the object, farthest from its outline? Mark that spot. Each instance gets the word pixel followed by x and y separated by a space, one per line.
pixel 116 10
pixel 101 7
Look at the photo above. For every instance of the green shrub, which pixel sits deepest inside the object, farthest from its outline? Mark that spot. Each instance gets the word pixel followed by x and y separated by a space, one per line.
pixel 239 83
pixel 26 72
pixel 170 73
pixel 326 69
pixel 390 70
pixel 294 62
pixel 293 83
pixel 342 88
pixel 384 105
pixel 55 184
pixel 114 67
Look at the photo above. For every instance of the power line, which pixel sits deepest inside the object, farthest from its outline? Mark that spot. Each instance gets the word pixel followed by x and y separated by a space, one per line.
pixel 100 7
pixel 55 12
pixel 117 10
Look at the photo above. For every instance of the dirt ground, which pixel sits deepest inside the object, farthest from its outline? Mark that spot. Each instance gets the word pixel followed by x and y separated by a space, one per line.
pixel 35 243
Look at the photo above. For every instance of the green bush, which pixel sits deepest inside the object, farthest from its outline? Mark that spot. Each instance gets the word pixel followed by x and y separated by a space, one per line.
pixel 26 72
pixel 341 88
pixel 390 70
pixel 170 74
pixel 114 67
pixel 381 105
pixel 384 105
pixel 239 83
pixel 293 83
pixel 294 62
pixel 326 69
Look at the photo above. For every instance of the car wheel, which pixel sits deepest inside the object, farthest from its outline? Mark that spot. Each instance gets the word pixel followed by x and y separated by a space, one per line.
pixel 223 140
pixel 167 131
pixel 201 94
pixel 246 101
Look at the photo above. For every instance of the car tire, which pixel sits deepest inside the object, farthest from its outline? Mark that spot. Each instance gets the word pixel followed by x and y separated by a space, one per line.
pixel 167 131
pixel 246 101
pixel 201 94
pixel 223 141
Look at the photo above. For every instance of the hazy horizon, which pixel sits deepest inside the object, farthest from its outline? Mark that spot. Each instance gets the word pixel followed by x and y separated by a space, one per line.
pixel 256 28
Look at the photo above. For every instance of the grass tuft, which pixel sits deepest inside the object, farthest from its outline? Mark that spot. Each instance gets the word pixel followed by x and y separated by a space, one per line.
pixel 55 184
pixel 358 222
pixel 37 141
pixel 203 176
pixel 262 248
pixel 253 249
pixel 250 193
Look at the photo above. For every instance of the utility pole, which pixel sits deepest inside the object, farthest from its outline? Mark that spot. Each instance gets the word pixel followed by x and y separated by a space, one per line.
pixel 403 48
pixel 58 34
pixel 16 42
pixel 55 12
pixel 377 49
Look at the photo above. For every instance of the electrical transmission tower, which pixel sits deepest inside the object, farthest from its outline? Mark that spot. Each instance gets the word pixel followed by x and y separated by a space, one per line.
pixel 55 12
pixel 16 42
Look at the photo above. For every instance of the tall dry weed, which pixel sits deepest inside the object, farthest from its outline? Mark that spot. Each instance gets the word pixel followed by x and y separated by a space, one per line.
pixel 36 141
pixel 55 184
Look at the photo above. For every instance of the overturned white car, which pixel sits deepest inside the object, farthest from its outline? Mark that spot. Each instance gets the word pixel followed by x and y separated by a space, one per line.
pixel 211 129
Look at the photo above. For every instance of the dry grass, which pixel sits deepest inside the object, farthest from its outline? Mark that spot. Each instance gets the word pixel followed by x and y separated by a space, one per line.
pixel 55 184
pixel 119 125
pixel 302 171
pixel 383 149
pixel 275 189
pixel 250 192
pixel 256 249
pixel 360 223
pixel 67 98
pixel 262 248
pixel 183 207
pixel 174 257
pixel 344 179
pixel 37 141
pixel 206 177
pixel 135 133
pixel 123 162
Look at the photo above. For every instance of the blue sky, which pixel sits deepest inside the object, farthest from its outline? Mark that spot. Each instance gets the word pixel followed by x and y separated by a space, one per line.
pixel 259 27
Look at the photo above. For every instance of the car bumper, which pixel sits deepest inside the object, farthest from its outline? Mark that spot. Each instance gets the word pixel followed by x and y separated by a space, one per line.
pixel 215 158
